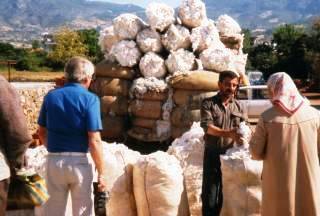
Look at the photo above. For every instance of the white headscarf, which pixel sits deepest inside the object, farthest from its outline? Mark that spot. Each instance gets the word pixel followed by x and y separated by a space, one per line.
pixel 284 93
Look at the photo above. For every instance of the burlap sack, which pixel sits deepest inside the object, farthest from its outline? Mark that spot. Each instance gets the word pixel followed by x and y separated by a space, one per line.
pixel 146 109
pixel 113 70
pixel 195 80
pixel 190 98
pixel 113 127
pixel 184 117
pixel 114 105
pixel 177 132
pixel 153 96
pixel 119 160
pixel 234 42
pixel 146 134
pixel 158 186
pixel 144 122
pixel 110 86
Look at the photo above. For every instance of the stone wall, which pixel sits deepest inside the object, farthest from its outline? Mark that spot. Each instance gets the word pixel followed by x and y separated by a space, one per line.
pixel 31 96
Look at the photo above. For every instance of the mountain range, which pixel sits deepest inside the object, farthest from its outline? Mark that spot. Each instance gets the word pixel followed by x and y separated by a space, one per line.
pixel 24 19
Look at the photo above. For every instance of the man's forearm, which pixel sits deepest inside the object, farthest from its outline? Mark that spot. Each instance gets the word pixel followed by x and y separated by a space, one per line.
pixel 216 131
pixel 95 148
pixel 43 135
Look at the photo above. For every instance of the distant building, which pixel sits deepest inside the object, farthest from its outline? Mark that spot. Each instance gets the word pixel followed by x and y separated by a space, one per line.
pixel 47 41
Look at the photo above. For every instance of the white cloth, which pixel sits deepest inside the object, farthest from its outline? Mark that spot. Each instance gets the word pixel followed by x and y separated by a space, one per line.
pixel 284 93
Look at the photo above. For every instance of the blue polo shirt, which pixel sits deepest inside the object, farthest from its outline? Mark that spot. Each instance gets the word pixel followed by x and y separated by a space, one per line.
pixel 69 113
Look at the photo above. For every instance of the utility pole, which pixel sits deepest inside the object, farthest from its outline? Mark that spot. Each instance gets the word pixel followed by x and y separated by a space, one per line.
pixel 8 63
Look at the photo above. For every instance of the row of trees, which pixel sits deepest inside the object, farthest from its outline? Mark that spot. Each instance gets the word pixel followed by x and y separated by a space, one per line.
pixel 294 49
pixel 67 43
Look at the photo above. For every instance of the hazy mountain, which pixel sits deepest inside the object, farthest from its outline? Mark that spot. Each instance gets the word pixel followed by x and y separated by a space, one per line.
pixel 28 18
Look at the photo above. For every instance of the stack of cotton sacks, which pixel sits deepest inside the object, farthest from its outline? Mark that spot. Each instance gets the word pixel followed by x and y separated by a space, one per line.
pixel 168 44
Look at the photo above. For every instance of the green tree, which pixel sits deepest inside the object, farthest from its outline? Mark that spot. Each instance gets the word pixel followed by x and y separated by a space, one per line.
pixel 36 44
pixel 90 37
pixel 263 58
pixel 291 50
pixel 313 43
pixel 68 43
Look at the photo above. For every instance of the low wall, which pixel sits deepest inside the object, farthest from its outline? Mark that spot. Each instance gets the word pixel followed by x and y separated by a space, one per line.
pixel 31 96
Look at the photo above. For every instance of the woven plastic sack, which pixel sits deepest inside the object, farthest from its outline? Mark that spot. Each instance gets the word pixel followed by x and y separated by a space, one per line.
pixel 149 40
pixel 119 160
pixel 184 117
pixel 127 26
pixel 241 179
pixel 158 185
pixel 180 60
pixel 192 13
pixel 189 98
pixel 159 16
pixel 152 65
pixel 146 109
pixel 126 53
pixel 189 149
pixel 176 37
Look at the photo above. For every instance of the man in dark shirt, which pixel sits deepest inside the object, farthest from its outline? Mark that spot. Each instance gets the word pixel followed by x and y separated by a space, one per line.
pixel 220 118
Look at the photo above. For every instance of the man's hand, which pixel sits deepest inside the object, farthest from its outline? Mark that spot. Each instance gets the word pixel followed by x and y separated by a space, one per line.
pixel 102 186
pixel 236 136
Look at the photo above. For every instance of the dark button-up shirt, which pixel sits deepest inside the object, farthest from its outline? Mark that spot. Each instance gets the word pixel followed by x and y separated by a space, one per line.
pixel 214 112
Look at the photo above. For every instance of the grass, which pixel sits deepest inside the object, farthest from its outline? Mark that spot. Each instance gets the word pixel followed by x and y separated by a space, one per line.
pixel 29 76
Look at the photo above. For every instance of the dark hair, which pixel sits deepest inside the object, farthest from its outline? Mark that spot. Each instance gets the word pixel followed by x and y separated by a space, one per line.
pixel 227 74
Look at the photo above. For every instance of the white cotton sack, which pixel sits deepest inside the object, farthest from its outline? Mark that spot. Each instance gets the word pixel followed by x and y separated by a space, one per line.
pixel 180 60
pixel 189 150
pixel 205 36
pixel 107 39
pixel 227 25
pixel 142 85
pixel 159 16
pixel 118 161
pixel 192 13
pixel 149 40
pixel 239 63
pixel 152 65
pixel 126 53
pixel 176 37
pixel 241 179
pixel 217 59
pixel 127 26
pixel 158 185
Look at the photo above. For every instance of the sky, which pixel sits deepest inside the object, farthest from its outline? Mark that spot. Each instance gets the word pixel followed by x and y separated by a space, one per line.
pixel 144 3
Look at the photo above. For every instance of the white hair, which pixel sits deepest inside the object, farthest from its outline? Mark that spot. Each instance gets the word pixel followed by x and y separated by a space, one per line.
pixel 77 69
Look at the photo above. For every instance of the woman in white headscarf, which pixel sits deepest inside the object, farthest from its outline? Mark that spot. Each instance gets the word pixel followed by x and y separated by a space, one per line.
pixel 287 140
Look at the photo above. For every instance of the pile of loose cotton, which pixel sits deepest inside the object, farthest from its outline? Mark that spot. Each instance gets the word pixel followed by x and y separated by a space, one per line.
pixel 189 149
pixel 169 44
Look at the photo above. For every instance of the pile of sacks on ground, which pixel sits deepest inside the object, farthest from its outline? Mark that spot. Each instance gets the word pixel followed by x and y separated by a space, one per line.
pixel 169 183
pixel 163 50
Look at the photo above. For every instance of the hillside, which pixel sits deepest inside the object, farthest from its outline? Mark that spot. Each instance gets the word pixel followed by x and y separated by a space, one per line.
pixel 27 19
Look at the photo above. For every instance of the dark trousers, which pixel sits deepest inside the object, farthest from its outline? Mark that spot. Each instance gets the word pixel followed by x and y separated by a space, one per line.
pixel 4 188
pixel 211 184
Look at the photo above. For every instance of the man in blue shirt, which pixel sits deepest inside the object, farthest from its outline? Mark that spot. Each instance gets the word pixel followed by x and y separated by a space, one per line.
pixel 69 126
